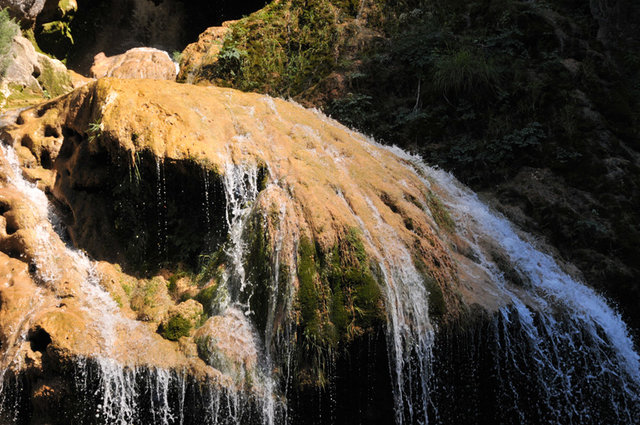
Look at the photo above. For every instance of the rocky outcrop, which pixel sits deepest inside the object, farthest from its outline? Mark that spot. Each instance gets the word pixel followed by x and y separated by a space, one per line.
pixel 202 53
pixel 139 62
pixel 31 77
pixel 313 190
pixel 562 74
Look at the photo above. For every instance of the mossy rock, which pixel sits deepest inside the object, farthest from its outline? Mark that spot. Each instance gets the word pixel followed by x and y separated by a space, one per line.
pixel 175 328
pixel 54 82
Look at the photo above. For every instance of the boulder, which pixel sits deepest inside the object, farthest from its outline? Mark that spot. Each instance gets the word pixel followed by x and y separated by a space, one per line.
pixel 139 62
pixel 31 77
pixel 227 343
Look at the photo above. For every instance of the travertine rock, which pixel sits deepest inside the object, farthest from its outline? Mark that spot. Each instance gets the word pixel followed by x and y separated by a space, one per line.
pixel 139 62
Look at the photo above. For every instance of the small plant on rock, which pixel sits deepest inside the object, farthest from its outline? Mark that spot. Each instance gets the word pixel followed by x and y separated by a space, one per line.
pixel 175 328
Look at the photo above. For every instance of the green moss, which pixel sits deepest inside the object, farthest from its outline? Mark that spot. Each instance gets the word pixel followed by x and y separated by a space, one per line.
pixel 175 328
pixel 54 82
pixel 308 292
pixel 440 214
pixel 21 97
pixel 207 297
pixel 339 299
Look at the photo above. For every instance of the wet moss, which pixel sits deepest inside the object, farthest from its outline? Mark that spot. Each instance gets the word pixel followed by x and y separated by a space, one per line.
pixel 259 270
pixel 308 297
pixel 440 214
pixel 207 298
pixel 339 300
pixel 175 328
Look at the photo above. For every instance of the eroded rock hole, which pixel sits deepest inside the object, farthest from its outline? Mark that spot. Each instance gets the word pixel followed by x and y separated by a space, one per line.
pixel 11 227
pixel 50 131
pixel 45 160
pixel 43 109
pixel 39 339
pixel 26 141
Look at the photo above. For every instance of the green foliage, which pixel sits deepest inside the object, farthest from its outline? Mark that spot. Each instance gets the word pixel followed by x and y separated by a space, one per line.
pixel 8 30
pixel 94 130
pixel 175 328
pixel 176 56
pixel 282 49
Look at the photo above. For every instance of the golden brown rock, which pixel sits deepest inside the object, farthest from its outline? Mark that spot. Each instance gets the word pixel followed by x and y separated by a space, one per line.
pixel 139 62
pixel 329 178
pixel 227 343
pixel 320 182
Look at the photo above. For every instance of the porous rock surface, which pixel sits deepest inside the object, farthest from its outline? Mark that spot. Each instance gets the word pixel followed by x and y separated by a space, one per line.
pixel 139 62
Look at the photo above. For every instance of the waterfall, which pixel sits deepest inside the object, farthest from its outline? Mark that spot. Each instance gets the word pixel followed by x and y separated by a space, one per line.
pixel 241 190
pixel 108 390
pixel 576 343
pixel 410 332
pixel 550 351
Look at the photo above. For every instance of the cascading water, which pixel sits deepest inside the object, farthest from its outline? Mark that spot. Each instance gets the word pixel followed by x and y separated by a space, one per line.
pixel 410 332
pixel 120 394
pixel 241 190
pixel 578 349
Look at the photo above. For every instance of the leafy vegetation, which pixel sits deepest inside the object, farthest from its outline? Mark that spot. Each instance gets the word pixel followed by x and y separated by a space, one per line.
pixel 282 49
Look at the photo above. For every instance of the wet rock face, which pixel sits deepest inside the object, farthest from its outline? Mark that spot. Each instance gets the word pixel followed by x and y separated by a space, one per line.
pixel 140 212
pixel 308 245
pixel 140 62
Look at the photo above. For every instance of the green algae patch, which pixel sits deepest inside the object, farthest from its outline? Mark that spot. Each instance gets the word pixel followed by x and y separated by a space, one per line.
pixel 339 300
pixel 440 214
